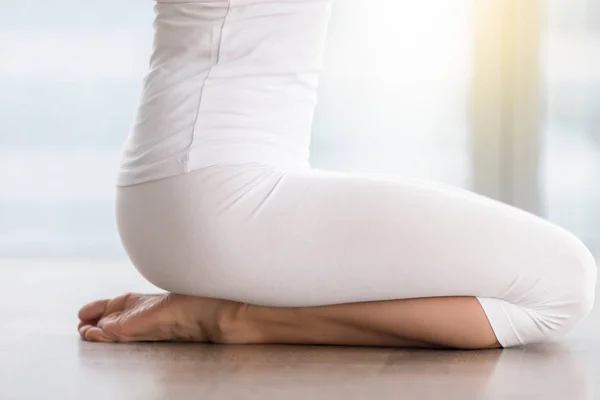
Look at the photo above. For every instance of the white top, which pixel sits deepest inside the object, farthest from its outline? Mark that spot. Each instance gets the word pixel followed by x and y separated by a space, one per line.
pixel 229 82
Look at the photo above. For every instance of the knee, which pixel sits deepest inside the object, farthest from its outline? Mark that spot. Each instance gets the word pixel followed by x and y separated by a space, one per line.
pixel 583 288
pixel 582 299
pixel 575 287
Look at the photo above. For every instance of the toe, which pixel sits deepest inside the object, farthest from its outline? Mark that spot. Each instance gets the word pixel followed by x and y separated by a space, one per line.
pixel 83 330
pixel 94 334
pixel 93 310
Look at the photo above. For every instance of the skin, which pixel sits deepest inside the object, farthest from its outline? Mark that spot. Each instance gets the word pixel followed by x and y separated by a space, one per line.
pixel 451 322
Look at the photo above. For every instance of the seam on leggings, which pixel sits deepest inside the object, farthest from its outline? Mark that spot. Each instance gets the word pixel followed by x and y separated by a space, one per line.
pixel 510 321
pixel 220 45
pixel 493 308
pixel 514 330
pixel 244 189
pixel 263 202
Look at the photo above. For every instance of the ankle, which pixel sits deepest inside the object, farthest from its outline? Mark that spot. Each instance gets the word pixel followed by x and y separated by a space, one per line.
pixel 233 325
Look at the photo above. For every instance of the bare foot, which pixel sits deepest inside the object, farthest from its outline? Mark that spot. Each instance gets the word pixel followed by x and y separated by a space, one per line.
pixel 161 317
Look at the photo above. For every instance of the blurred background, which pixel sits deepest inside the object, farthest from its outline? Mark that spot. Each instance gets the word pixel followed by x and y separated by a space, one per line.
pixel 501 97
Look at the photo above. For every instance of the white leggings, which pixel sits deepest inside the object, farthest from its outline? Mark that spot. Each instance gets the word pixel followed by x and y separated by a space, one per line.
pixel 258 234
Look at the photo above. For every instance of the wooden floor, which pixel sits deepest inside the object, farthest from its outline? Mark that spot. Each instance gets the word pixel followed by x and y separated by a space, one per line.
pixel 41 356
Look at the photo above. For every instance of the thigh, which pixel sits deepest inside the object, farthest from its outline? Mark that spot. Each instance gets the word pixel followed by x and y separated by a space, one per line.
pixel 318 237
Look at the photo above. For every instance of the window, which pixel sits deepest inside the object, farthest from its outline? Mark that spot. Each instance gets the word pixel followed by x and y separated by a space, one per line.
pixel 395 90
pixel 572 122
pixel 70 74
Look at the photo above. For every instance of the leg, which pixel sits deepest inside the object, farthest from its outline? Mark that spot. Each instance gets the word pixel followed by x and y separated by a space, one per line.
pixel 258 236
pixel 454 322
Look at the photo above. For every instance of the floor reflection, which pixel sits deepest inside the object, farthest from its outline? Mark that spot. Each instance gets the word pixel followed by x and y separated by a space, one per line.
pixel 256 372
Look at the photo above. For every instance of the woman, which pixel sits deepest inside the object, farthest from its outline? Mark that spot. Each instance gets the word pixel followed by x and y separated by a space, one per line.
pixel 217 204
